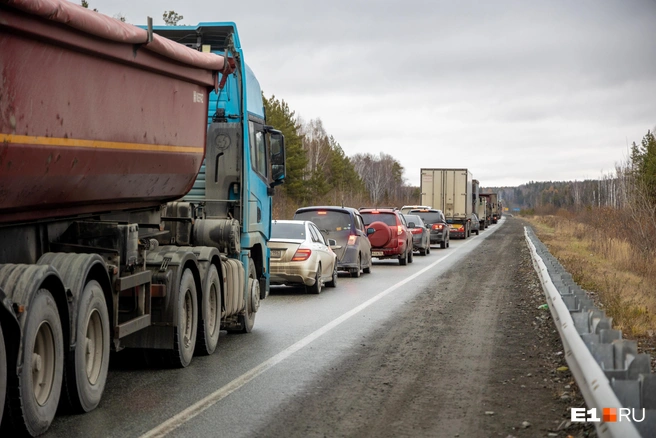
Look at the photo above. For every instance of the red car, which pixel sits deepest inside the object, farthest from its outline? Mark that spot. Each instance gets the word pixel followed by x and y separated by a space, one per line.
pixel 388 233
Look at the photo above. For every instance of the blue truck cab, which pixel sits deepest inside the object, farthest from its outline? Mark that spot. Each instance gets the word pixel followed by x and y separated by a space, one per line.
pixel 231 201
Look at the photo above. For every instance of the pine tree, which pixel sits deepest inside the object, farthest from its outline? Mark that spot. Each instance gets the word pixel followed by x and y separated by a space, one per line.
pixel 282 118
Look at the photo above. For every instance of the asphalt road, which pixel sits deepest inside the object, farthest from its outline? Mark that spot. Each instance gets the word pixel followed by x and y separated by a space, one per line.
pixel 336 364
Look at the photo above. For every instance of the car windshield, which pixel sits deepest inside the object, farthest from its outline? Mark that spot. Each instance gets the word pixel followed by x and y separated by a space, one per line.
pixel 286 230
pixel 430 217
pixel 327 220
pixel 387 218
pixel 413 218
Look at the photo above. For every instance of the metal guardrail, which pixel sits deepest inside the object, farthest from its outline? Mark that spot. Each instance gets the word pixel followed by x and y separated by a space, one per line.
pixel 608 369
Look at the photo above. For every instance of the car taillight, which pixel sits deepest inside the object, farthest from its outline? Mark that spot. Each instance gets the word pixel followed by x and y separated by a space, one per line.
pixel 438 226
pixel 415 230
pixel 301 254
pixel 400 230
pixel 352 239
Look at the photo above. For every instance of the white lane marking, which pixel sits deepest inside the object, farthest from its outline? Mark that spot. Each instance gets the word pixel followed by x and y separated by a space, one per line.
pixel 200 406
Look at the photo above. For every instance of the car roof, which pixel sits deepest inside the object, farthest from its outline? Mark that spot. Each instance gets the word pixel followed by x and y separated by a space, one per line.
pixel 327 207
pixel 288 221
pixel 425 210
pixel 381 209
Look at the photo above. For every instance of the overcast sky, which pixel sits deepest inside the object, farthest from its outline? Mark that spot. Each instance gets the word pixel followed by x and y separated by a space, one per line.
pixel 515 91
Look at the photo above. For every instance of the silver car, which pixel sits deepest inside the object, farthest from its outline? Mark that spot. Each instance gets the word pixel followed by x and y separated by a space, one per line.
pixel 420 233
pixel 300 255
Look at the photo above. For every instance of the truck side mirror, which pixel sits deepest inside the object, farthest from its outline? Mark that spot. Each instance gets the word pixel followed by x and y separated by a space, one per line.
pixel 278 159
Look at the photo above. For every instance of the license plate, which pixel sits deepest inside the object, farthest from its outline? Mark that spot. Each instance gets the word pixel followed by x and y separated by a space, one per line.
pixel 276 253
pixel 376 253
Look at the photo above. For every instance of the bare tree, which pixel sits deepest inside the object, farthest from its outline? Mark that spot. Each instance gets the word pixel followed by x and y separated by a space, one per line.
pixel 316 143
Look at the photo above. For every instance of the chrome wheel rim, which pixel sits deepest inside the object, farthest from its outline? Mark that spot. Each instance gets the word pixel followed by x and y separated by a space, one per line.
pixel 93 351
pixel 43 363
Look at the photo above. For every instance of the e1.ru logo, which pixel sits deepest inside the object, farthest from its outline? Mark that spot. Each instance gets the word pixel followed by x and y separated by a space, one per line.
pixel 608 415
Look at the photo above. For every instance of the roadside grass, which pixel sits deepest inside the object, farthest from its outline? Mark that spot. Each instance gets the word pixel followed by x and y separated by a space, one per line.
pixel 621 276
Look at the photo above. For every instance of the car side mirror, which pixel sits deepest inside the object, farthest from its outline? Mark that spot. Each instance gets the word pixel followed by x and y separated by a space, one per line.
pixel 370 231
pixel 411 225
pixel 332 243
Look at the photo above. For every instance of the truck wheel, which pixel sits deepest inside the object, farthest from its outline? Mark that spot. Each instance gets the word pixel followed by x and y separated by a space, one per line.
pixel 186 327
pixel 86 373
pixel 247 320
pixel 403 258
pixel 3 373
pixel 355 272
pixel 316 287
pixel 411 254
pixel 40 381
pixel 210 324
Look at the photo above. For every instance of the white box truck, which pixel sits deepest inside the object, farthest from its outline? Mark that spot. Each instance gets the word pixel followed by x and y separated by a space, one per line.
pixel 449 190
pixel 482 211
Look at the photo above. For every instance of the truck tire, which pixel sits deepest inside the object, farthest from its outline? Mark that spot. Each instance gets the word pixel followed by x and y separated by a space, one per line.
pixel 209 325
pixel 34 396
pixel 247 320
pixel 3 373
pixel 443 244
pixel 186 326
pixel 411 254
pixel 316 287
pixel 86 371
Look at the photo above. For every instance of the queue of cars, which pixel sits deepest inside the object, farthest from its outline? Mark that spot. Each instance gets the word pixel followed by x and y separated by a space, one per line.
pixel 320 241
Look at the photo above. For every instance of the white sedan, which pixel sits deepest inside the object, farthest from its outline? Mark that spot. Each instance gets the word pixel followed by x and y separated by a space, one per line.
pixel 301 255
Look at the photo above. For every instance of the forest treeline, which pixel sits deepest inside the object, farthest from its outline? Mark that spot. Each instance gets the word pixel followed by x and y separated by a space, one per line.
pixel 633 183
pixel 621 205
pixel 319 172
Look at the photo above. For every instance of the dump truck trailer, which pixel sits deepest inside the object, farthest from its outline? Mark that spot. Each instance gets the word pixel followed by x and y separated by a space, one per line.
pixel 103 133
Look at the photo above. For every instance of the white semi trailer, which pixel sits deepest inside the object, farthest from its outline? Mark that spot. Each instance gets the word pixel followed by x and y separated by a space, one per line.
pixel 449 190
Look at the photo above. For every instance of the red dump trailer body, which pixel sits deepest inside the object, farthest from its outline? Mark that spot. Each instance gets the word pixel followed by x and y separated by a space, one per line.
pixel 100 126
pixel 64 91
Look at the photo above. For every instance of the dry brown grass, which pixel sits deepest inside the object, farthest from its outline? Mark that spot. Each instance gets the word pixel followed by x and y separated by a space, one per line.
pixel 621 275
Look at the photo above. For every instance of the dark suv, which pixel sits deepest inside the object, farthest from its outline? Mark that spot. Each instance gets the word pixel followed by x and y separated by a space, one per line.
pixel 439 229
pixel 346 227
pixel 388 233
